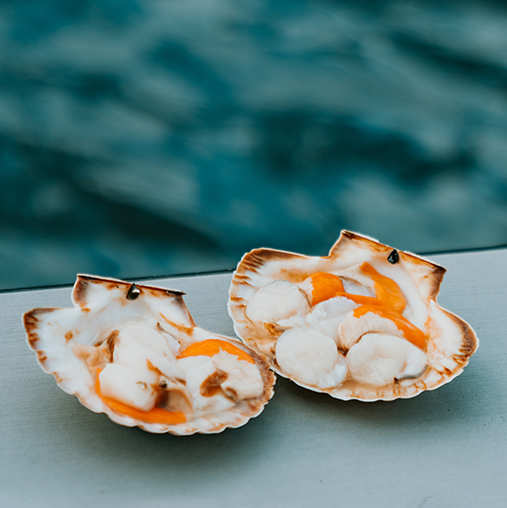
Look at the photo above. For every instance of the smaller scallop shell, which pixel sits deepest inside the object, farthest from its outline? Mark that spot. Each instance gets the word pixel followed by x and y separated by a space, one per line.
pixel 351 348
pixel 76 344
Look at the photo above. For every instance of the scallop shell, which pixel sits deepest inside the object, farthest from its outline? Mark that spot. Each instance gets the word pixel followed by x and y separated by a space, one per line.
pixel 450 340
pixel 102 305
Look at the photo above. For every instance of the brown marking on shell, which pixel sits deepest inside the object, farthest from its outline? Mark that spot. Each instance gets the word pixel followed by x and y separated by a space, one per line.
pixel 268 380
pixel 263 346
pixel 33 338
pixel 396 388
pixel 243 278
pixel 175 399
pixel 257 258
pixel 161 292
pixel 154 369
pixel 188 330
pixel 436 276
pixel 163 376
pixel 83 283
pixel 111 341
pixel 349 237
pixel 79 291
pixel 31 318
pixel 92 356
pixel 295 276
pixel 469 343
pixel 231 393
pixel 178 300
pixel 216 427
pixel 69 335
pixel 275 363
pixel 212 384
pixel 31 321
pixel 160 328
pixel 432 271
pixel 252 261
pixel 274 329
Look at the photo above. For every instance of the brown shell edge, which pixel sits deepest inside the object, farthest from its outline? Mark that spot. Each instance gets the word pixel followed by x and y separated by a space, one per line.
pixel 349 239
pixel 83 282
pixel 30 322
pixel 470 341
pixel 254 259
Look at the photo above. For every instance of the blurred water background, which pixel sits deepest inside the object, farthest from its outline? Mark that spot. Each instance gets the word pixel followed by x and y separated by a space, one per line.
pixel 156 137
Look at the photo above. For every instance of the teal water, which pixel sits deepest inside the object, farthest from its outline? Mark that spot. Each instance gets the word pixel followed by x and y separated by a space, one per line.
pixel 161 137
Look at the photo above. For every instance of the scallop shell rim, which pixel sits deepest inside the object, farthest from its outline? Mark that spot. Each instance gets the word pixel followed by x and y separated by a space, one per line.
pixel 269 379
pixel 347 235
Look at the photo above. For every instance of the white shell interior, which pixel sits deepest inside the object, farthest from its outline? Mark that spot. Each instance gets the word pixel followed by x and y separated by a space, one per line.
pixel 324 347
pixel 147 333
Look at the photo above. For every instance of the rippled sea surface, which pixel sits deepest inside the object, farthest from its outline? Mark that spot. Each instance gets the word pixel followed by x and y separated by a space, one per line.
pixel 161 137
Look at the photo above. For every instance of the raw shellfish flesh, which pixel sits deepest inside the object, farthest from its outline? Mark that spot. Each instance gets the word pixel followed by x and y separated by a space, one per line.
pixel 135 353
pixel 362 323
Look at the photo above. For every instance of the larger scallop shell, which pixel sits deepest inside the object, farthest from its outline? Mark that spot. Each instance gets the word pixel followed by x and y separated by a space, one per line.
pixel 450 340
pixel 102 305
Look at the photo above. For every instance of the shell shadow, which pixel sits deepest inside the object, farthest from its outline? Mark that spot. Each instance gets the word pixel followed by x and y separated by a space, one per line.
pixel 159 455
pixel 446 405
pixel 93 437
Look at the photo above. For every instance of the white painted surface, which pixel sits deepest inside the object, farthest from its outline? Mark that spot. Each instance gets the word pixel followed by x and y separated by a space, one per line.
pixel 442 449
